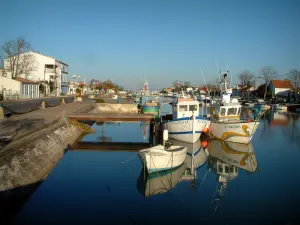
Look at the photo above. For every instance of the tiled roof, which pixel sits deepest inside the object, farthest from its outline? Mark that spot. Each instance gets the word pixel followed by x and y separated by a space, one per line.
pixel 282 84
pixel 25 81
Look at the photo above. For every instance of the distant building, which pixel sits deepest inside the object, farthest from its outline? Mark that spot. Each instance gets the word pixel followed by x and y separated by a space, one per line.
pixel 49 69
pixel 18 88
pixel 280 87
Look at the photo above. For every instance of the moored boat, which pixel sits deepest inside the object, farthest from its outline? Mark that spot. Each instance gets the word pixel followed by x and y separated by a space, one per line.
pixel 280 107
pixel 159 158
pixel 185 124
pixel 226 122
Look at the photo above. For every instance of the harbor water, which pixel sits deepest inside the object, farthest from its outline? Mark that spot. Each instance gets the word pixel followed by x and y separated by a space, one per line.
pixel 111 187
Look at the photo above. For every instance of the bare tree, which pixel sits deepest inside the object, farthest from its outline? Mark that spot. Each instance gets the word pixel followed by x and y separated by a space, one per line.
pixel 267 74
pixel 294 76
pixel 246 80
pixel 13 51
pixel 27 64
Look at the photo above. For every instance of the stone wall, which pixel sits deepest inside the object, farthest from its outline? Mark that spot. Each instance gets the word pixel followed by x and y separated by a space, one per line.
pixel 117 108
pixel 34 161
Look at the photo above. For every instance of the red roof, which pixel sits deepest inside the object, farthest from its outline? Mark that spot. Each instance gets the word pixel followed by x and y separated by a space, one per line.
pixel 282 84
pixel 22 80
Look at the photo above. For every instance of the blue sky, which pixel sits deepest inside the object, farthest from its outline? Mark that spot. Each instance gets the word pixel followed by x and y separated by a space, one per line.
pixel 166 40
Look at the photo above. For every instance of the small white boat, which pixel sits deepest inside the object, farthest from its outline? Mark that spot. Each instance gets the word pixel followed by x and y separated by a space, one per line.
pixel 159 158
pixel 184 124
pixel 280 107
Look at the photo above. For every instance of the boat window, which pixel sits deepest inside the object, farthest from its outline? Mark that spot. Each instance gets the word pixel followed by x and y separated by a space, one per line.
pixel 193 108
pixel 183 108
pixel 232 169
pixel 220 169
pixel 223 111
pixel 231 111
pixel 226 169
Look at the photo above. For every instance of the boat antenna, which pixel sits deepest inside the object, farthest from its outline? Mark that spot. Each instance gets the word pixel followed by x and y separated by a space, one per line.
pixel 228 75
pixel 205 83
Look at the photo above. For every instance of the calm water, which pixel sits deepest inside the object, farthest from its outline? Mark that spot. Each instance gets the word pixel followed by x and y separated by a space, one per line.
pixel 91 187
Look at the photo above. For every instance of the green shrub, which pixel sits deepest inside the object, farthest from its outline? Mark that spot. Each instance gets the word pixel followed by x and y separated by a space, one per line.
pixel 100 100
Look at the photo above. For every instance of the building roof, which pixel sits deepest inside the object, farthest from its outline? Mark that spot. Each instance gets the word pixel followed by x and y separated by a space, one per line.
pixel 50 57
pixel 25 81
pixel 282 84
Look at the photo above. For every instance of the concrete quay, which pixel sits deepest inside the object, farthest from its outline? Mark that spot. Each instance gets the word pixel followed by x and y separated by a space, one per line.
pixel 35 142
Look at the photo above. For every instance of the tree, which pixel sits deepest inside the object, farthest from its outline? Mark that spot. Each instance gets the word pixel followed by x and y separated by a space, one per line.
pixel 246 80
pixel 267 74
pixel 17 62
pixel 28 64
pixel 294 76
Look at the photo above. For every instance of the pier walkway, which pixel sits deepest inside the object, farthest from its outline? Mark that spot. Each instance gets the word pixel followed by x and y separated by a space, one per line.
pixel 18 126
pixel 107 117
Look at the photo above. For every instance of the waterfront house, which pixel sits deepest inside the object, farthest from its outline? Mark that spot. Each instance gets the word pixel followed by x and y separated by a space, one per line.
pixel 18 88
pixel 280 87
pixel 46 68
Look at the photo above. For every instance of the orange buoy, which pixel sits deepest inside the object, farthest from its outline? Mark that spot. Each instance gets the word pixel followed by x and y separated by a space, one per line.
pixel 205 129
pixel 204 144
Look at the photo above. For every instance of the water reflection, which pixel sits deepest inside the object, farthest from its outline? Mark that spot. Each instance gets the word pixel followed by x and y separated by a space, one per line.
pixel 224 160
pixel 160 182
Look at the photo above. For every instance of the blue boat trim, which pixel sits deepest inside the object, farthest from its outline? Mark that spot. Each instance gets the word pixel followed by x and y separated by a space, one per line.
pixel 188 118
pixel 185 132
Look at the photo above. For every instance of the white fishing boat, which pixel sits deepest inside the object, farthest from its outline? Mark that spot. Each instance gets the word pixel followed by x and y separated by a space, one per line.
pixel 162 157
pixel 280 107
pixel 236 154
pixel 185 124
pixel 226 122
pixel 160 182
pixel 260 104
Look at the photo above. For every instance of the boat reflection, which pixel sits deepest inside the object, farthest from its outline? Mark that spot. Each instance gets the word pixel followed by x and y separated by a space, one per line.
pixel 224 160
pixel 196 157
pixel 235 154
pixel 161 182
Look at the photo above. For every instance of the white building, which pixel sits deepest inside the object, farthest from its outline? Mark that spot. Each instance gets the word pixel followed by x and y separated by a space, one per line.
pixel 47 69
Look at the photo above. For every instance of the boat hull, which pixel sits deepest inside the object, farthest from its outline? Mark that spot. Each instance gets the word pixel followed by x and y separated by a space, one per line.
pixel 234 132
pixel 154 110
pixel 182 129
pixel 158 159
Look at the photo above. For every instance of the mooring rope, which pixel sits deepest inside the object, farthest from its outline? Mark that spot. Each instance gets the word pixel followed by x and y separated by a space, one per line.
pixel 28 111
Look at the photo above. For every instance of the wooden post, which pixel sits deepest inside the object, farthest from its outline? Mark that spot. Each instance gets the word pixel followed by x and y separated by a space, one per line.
pixel 43 105
pixel 1 112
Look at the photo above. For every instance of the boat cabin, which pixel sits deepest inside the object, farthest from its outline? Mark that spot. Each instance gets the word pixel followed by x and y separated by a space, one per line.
pixel 231 110
pixel 184 107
